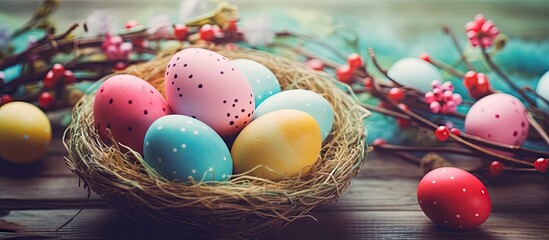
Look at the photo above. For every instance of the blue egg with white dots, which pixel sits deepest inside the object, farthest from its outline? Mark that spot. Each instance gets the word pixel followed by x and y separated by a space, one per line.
pixel 263 82
pixel 307 101
pixel 184 149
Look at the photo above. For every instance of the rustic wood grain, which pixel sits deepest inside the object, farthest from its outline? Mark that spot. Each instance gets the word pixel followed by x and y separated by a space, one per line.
pixel 381 203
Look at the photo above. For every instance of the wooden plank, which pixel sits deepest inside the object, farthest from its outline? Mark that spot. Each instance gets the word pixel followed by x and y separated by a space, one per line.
pixel 384 184
pixel 52 164
pixel 107 224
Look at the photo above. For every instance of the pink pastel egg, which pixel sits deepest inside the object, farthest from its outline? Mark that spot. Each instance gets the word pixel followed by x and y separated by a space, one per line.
pixel 127 105
pixel 498 117
pixel 205 85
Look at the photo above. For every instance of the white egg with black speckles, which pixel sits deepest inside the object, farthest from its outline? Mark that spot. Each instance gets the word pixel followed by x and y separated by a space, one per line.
pixel 543 90
pixel 184 149
pixel 263 82
pixel 303 100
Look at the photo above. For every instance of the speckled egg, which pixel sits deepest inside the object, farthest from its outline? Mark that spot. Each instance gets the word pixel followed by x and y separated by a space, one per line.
pixel 415 73
pixel 281 144
pixel 207 86
pixel 263 82
pixel 127 106
pixel 304 100
pixel 498 117
pixel 543 90
pixel 183 148
pixel 25 132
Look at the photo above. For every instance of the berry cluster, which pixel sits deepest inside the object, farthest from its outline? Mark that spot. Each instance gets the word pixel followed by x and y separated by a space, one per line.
pixel 345 73
pixel 442 98
pixel 481 32
pixel 477 84
pixel 115 48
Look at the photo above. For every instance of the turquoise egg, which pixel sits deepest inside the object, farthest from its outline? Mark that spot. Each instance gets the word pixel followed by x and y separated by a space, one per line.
pixel 304 100
pixel 263 82
pixel 183 148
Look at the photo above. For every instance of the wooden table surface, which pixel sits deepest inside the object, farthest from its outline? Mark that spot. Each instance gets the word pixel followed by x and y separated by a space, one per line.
pixel 381 203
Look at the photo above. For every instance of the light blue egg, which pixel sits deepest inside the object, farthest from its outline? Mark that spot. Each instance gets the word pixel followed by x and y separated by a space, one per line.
pixel 415 73
pixel 304 100
pixel 181 148
pixel 263 82
pixel 543 91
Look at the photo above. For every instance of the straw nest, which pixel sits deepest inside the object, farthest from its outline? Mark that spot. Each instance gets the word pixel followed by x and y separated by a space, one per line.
pixel 242 207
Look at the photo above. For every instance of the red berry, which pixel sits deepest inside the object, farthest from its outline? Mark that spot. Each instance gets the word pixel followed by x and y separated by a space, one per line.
pixel 396 94
pixel 442 133
pixel 315 64
pixel 232 26
pixel 45 100
pixel 51 79
pixel 378 142
pixel 119 66
pixel 180 31
pixel 206 32
pixel 69 77
pixel 345 74
pixel 6 98
pixel 131 23
pixel 355 61
pixel 368 83
pixel 470 79
pixel 403 107
pixel 58 69
pixel 541 164
pixel 403 123
pixel 454 198
pixel 455 131
pixel 425 57
pixel 496 168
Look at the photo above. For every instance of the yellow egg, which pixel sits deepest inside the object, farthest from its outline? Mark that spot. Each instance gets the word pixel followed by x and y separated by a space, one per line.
pixel 286 141
pixel 25 132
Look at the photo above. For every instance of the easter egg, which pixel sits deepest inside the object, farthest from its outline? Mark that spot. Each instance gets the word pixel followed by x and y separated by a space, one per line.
pixel 498 117
pixel 543 90
pixel 454 198
pixel 415 73
pixel 304 100
pixel 25 132
pixel 126 106
pixel 282 143
pixel 183 148
pixel 207 86
pixel 263 82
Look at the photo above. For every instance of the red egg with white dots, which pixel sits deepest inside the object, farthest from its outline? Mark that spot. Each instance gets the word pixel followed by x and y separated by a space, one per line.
pixel 127 105
pixel 500 118
pixel 207 86
pixel 454 198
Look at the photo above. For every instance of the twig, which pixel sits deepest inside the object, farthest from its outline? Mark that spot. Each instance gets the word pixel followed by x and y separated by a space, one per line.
pixel 463 58
pixel 379 68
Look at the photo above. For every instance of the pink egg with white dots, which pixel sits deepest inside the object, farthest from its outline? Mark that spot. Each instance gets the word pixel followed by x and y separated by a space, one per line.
pixel 205 85
pixel 500 118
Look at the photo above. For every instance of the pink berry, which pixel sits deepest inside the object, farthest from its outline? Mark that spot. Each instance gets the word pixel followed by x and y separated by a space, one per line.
pixel 315 64
pixel 456 97
pixel 435 107
pixel 435 84
pixel 429 97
